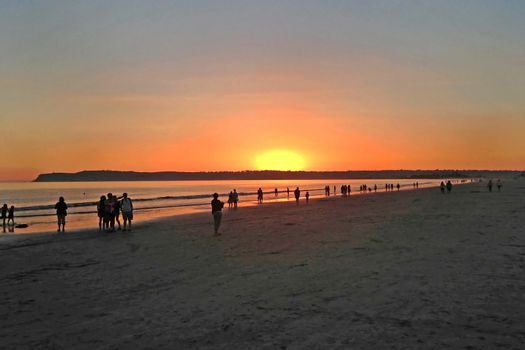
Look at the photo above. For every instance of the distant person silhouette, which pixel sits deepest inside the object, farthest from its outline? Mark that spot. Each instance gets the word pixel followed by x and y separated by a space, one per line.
pixel 398 187
pixel 307 196
pixel 216 211
pixel 127 210
pixel 449 186
pixel 11 215
pixel 499 184
pixel 335 192
pixel 4 214
pixel 276 192
pixel 417 184
pixel 297 194
pixel 61 208
pixel 288 192
pixel 116 205
pixel 260 195
pixel 235 198
pixel 442 187
pixel 230 200
pixel 375 188
pixel 349 190
pixel 489 185
pixel 101 209
pixel 109 211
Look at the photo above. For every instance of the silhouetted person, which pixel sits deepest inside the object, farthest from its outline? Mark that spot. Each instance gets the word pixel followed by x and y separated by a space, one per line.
pixel 216 211
pixel 307 196
pixel 260 195
pixel 109 211
pixel 349 190
pixel 328 191
pixel 276 192
pixel 499 185
pixel 335 191
pixel 398 187
pixel 11 215
pixel 117 211
pixel 442 187
pixel 297 194
pixel 375 188
pixel 417 184
pixel 230 200
pixel 4 214
pixel 288 192
pixel 126 206
pixel 235 198
pixel 61 208
pixel 489 185
pixel 449 186
pixel 101 210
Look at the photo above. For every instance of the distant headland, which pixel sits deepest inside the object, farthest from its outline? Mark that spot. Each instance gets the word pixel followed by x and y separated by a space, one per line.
pixel 110 175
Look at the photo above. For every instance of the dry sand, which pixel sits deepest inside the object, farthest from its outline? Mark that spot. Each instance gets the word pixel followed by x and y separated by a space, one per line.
pixel 409 270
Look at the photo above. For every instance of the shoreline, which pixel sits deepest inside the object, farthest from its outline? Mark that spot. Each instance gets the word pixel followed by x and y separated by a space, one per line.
pixel 161 212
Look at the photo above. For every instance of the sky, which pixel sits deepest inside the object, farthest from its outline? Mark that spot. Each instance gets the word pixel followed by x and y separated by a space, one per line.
pixel 232 85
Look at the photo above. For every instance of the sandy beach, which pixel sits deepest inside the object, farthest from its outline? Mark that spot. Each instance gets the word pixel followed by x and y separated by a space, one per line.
pixel 408 270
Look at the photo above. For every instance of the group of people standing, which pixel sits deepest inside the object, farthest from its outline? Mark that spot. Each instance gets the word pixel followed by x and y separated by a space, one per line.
pixel 498 184
pixel 390 187
pixel 8 215
pixel 109 209
pixel 447 186
pixel 233 199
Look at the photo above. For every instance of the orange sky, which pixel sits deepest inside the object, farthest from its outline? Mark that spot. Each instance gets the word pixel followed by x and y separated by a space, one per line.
pixel 202 87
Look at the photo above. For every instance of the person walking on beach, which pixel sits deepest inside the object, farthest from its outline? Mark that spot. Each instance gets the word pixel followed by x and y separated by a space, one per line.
pixel 449 186
pixel 260 195
pixel 288 192
pixel 489 185
pixel 297 194
pixel 398 187
pixel 101 205
pixel 216 211
pixel 11 215
pixel 61 208
pixel 442 187
pixel 235 198
pixel 276 192
pixel 375 188
pixel 4 214
pixel 127 211
pixel 499 185
pixel 307 196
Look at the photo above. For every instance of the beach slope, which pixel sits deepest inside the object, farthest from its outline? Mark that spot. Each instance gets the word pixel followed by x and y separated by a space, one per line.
pixel 408 270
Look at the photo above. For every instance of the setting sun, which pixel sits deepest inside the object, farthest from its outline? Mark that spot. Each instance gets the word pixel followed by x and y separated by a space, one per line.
pixel 280 160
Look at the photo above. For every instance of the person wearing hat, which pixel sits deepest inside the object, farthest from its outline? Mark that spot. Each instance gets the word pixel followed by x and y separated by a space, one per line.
pixel 216 211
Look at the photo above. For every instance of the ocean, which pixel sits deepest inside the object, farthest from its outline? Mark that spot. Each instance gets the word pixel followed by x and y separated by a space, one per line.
pixel 34 201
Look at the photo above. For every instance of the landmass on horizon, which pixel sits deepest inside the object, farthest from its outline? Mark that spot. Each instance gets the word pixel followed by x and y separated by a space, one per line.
pixel 112 175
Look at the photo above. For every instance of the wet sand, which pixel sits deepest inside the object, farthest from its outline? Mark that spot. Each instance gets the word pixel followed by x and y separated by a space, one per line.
pixel 407 270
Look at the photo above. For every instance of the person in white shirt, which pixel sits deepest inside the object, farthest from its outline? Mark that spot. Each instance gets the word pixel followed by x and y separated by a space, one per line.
pixel 126 206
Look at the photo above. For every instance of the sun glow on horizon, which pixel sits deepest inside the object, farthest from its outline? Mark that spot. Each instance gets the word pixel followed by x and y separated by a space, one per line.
pixel 280 159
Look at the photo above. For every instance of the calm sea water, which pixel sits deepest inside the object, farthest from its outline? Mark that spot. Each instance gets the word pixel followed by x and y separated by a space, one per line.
pixel 34 202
